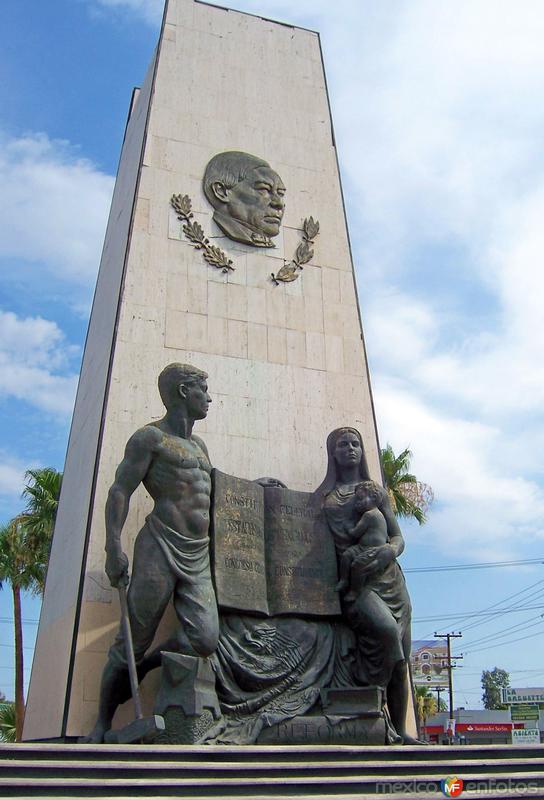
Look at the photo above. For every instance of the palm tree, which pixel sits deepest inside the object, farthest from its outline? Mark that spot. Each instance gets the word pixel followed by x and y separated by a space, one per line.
pixel 426 705
pixel 409 497
pixel 24 552
pixel 23 572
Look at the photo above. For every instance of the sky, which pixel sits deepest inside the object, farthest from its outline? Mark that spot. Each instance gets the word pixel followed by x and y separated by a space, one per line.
pixel 438 119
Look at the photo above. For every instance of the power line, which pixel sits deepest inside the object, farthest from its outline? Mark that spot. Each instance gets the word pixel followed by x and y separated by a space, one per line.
pixel 505 600
pixel 481 565
pixel 499 612
pixel 497 640
pixel 511 629
pixel 461 619
pixel 532 595
pixel 538 669
pixel 468 673
pixel 501 644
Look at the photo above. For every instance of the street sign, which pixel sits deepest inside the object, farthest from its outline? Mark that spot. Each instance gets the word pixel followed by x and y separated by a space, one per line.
pixel 523 736
pixel 532 695
pixel 524 711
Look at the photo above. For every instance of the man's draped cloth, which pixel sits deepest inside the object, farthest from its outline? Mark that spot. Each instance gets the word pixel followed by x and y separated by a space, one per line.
pixel 270 670
pixel 187 557
pixel 168 564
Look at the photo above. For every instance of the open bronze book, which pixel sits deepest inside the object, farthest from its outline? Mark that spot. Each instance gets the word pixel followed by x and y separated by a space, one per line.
pixel 270 551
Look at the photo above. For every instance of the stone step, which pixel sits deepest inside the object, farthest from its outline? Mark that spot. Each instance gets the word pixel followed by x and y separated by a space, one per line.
pixel 312 786
pixel 336 770
pixel 430 792
pixel 270 753
pixel 265 772
pixel 500 794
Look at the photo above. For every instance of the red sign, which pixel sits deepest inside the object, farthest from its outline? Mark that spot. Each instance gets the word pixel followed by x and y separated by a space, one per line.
pixel 485 726
pixel 480 727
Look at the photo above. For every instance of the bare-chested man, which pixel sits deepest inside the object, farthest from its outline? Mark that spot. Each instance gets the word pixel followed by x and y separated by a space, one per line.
pixel 171 553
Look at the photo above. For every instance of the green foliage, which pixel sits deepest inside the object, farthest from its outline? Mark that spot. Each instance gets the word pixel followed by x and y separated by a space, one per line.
pixel 25 541
pixel 426 703
pixel 19 565
pixel 42 492
pixel 492 682
pixel 409 497
pixel 7 722
pixel 24 552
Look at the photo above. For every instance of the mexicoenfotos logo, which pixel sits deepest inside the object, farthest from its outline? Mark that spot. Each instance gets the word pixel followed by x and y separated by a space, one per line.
pixel 452 786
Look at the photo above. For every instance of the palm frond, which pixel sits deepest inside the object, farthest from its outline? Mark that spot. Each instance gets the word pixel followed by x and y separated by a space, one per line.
pixel 7 722
pixel 409 497
pixel 21 564
pixel 42 492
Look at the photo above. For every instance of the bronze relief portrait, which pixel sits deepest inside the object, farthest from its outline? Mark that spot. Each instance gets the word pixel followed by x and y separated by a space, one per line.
pixel 247 196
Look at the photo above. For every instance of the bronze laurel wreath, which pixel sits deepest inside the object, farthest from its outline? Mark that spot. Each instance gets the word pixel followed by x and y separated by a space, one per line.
pixel 194 232
pixel 304 253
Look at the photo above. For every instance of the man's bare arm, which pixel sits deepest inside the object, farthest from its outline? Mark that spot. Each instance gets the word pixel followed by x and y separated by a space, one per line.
pixel 130 473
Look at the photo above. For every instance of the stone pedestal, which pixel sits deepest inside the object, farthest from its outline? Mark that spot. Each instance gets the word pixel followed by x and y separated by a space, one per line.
pixel 333 729
pixel 186 700
pixel 348 716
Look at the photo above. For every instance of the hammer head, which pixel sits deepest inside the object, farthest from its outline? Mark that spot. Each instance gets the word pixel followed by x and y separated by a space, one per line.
pixel 143 730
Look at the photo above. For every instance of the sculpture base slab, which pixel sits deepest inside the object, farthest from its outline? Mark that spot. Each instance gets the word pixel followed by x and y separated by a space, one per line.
pixel 182 728
pixel 332 729
pixel 354 701
pixel 187 700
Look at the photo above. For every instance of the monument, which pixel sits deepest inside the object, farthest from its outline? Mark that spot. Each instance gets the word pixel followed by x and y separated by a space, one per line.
pixel 226 250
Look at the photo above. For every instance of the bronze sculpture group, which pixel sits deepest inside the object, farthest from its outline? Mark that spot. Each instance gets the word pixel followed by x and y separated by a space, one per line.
pixel 255 663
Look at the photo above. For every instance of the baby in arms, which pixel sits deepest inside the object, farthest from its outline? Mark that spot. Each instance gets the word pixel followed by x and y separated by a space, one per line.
pixel 371 534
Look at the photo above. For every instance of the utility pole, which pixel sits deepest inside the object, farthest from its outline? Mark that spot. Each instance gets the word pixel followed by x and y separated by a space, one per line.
pixel 450 666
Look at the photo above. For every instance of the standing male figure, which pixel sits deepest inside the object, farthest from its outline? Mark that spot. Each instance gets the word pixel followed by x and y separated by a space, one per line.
pixel 171 552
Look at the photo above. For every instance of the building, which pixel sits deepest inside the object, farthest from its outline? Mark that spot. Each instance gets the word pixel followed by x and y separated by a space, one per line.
pixel 477 726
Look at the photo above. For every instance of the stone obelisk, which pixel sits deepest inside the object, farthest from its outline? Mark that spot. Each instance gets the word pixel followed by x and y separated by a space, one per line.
pixel 284 354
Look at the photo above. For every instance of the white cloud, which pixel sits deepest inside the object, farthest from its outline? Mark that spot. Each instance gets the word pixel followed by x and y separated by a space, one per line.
pixel 53 207
pixel 498 373
pixel 12 473
pixel 485 506
pixel 149 10
pixel 33 362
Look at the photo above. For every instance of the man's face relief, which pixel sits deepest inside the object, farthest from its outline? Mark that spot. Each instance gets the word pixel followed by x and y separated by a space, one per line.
pixel 258 201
